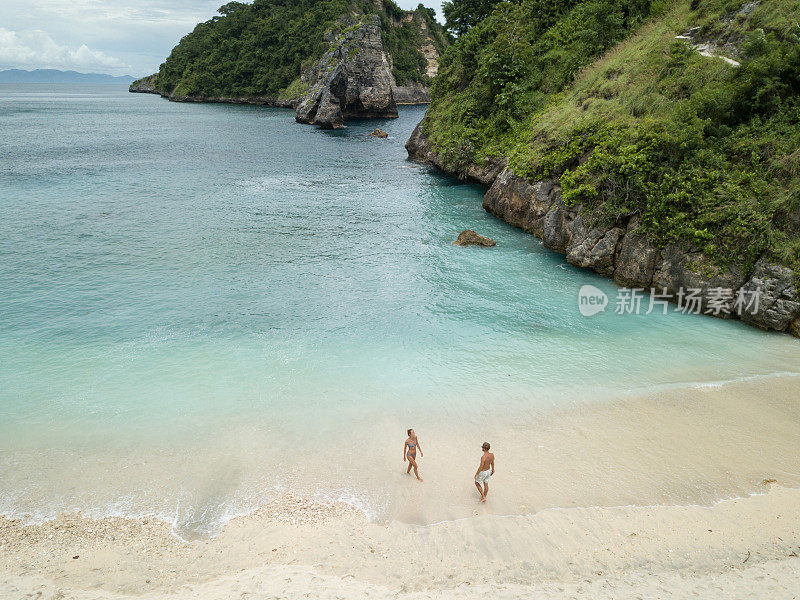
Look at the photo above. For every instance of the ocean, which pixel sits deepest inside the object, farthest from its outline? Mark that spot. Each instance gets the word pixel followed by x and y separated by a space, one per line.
pixel 206 305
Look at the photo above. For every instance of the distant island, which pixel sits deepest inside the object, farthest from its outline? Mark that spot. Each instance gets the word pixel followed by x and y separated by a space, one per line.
pixel 56 76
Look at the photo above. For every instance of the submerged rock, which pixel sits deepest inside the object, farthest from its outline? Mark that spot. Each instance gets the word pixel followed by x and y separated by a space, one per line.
pixel 379 133
pixel 470 238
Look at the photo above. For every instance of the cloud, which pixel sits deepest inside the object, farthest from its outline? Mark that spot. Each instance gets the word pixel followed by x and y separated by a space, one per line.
pixel 37 50
pixel 139 33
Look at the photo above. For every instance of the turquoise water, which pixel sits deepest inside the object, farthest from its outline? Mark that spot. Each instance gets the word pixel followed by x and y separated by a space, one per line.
pixel 172 272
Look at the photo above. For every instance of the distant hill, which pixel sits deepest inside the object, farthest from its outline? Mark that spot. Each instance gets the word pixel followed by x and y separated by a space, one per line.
pixel 56 76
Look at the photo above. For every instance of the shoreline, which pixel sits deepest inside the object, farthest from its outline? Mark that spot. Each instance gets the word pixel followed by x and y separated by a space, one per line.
pixel 293 509
pixel 267 101
pixel 637 450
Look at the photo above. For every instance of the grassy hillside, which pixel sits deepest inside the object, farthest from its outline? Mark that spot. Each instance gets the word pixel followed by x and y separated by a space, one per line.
pixel 259 49
pixel 600 94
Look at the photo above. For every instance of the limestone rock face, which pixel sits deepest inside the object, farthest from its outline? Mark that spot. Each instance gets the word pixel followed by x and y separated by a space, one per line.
pixel 678 270
pixel 352 80
pixel 779 299
pixel 413 93
pixel 470 238
pixel 794 328
pixel 557 226
pixel 595 248
pixel 519 202
pixel 637 259
pixel 419 147
pixel 417 92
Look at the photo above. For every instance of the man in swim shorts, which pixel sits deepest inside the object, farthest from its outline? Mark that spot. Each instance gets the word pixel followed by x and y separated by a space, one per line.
pixel 485 470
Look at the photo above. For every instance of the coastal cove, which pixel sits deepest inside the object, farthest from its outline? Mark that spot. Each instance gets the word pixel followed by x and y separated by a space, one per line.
pixel 622 251
pixel 218 325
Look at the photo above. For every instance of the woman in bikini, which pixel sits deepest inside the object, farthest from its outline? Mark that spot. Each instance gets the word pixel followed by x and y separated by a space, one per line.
pixel 410 452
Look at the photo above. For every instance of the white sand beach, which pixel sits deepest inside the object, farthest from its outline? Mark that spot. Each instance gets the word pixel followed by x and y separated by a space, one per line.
pixel 745 547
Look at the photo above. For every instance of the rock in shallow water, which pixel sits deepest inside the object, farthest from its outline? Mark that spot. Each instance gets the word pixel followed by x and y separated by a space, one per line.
pixel 470 238
pixel 379 133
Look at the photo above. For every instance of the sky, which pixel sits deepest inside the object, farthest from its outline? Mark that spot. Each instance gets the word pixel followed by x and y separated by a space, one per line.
pixel 118 37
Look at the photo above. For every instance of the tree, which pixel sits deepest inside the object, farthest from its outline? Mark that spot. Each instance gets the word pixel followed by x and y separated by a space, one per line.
pixel 460 15
pixel 230 8
pixel 422 8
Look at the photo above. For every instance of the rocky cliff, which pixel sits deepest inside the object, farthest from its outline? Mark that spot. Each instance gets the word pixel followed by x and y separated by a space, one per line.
pixel 622 251
pixel 356 77
pixel 352 79
pixel 414 93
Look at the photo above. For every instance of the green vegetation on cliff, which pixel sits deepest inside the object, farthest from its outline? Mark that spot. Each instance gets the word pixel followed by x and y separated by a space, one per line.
pixel 259 49
pixel 601 94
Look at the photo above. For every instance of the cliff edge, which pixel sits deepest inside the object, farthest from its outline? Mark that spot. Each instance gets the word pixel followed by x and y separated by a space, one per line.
pixel 145 85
